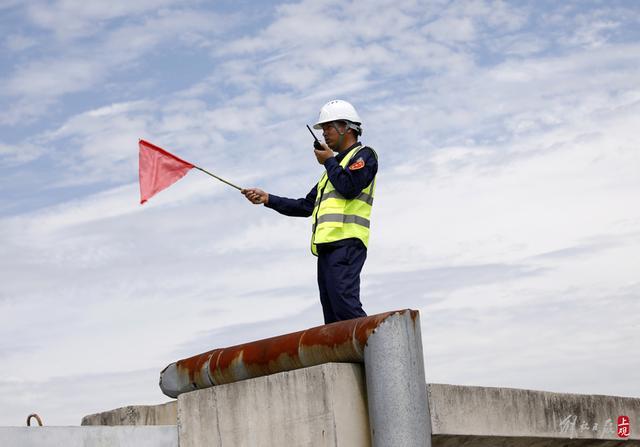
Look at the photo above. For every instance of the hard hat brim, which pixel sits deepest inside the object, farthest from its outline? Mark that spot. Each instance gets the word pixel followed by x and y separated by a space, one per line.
pixel 319 124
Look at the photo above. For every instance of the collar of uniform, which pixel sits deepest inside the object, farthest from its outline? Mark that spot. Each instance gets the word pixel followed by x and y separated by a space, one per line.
pixel 344 153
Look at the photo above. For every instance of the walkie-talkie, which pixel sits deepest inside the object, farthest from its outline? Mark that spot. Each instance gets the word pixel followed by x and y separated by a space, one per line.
pixel 316 144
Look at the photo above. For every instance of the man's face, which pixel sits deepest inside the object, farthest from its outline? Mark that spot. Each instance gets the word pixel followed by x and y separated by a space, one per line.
pixel 331 133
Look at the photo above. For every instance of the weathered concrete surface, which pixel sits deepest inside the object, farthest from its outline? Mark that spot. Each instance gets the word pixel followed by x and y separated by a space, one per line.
pixel 481 416
pixel 160 436
pixel 322 405
pixel 502 441
pixel 163 414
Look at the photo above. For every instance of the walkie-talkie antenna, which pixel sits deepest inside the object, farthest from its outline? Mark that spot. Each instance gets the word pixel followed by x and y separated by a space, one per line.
pixel 316 144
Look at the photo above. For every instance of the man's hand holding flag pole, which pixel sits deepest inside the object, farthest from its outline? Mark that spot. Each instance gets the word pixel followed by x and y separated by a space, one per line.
pixel 159 169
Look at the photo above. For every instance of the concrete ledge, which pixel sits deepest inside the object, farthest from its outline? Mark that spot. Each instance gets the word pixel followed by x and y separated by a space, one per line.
pixel 160 436
pixel 500 441
pixel 524 417
pixel 326 405
pixel 163 414
pixel 322 405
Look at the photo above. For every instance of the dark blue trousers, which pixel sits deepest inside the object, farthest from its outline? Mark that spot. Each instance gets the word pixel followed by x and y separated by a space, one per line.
pixel 339 280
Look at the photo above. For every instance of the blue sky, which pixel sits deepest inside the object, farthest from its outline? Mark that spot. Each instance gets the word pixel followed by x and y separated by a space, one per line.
pixel 506 203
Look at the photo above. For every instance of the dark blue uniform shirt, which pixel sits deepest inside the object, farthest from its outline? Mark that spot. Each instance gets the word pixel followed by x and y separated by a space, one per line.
pixel 347 182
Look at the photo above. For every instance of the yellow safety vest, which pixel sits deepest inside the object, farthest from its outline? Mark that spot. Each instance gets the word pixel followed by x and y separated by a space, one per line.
pixel 336 218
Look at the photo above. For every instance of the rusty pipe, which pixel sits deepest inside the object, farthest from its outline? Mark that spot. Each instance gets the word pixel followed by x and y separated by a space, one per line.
pixel 389 345
pixel 343 341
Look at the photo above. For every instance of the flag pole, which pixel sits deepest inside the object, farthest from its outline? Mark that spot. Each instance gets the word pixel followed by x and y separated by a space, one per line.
pixel 221 179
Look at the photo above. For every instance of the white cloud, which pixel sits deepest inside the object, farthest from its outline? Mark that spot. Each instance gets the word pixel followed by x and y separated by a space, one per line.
pixel 53 77
pixel 460 29
pixel 18 154
pixel 77 391
pixel 19 42
pixel 71 252
pixel 75 18
pixel 7 4
pixel 39 83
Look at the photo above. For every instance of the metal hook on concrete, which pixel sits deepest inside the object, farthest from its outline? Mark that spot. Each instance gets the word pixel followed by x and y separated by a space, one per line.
pixel 34 416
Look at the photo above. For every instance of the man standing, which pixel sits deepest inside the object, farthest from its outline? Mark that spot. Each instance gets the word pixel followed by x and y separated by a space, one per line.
pixel 340 207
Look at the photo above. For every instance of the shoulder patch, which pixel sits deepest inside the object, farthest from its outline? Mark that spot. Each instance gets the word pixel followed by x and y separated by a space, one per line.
pixel 358 164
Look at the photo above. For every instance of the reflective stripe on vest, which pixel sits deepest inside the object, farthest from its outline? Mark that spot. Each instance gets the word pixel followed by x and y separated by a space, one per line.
pixel 336 218
pixel 336 195
pixel 344 218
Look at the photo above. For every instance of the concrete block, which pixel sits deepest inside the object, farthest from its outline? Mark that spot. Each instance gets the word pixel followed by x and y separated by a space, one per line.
pixel 482 416
pixel 322 405
pixel 163 414
pixel 160 436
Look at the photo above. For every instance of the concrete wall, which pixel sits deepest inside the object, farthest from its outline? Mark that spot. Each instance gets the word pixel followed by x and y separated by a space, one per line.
pixel 322 405
pixel 89 436
pixel 164 414
pixel 326 405
pixel 481 416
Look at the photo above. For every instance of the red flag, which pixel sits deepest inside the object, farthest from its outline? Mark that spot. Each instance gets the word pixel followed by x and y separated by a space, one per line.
pixel 158 170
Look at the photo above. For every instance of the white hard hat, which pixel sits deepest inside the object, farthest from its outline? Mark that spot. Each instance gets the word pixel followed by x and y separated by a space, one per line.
pixel 339 110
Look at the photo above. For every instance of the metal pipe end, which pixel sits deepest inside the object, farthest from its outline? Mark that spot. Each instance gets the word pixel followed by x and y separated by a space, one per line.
pixel 168 383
